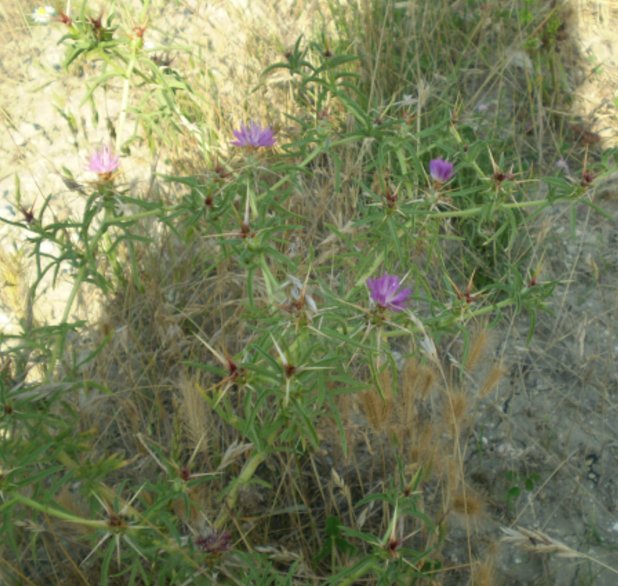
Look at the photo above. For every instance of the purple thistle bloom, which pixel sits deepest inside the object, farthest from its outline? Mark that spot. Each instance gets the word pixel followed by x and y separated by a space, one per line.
pixel 103 162
pixel 386 292
pixel 254 136
pixel 440 170
pixel 216 542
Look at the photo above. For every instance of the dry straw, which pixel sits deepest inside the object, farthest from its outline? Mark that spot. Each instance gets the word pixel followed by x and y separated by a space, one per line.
pixel 195 415
pixel 535 541
pixel 377 404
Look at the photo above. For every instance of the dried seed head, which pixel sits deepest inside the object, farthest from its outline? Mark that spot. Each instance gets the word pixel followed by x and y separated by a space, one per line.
pixel 483 572
pixel 378 406
pixel 494 376
pixel 458 407
pixel 469 504
pixel 478 349
pixel 418 381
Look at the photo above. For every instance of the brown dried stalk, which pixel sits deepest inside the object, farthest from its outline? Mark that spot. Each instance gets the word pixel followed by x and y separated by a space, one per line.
pixel 539 542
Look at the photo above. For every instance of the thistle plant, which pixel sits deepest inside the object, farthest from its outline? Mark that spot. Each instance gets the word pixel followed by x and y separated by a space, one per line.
pixel 263 385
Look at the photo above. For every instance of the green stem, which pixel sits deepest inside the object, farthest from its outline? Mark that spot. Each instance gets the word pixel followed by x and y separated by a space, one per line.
pixel 358 572
pixel 269 280
pixel 245 476
pixel 247 472
pixel 106 243
pixel 476 210
pixel 47 510
pixel 77 283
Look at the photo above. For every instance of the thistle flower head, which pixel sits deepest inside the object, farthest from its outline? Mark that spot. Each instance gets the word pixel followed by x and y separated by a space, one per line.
pixel 43 14
pixel 103 162
pixel 255 136
pixel 387 293
pixel 215 542
pixel 440 170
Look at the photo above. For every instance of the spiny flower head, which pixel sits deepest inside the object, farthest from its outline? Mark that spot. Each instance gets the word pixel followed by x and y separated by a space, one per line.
pixel 216 542
pixel 440 170
pixel 255 136
pixel 103 162
pixel 387 293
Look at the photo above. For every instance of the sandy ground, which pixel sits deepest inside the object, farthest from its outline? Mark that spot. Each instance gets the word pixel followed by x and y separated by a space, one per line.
pixel 35 93
pixel 550 431
pixel 593 29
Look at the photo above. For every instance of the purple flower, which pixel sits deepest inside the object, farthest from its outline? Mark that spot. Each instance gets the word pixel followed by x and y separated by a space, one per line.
pixel 215 542
pixel 440 170
pixel 103 162
pixel 254 136
pixel 386 292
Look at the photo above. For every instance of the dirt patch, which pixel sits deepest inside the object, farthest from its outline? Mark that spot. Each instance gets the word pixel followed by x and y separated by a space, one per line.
pixel 547 448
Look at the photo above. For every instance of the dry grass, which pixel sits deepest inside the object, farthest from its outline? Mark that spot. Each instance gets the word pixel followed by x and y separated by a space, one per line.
pixel 536 541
